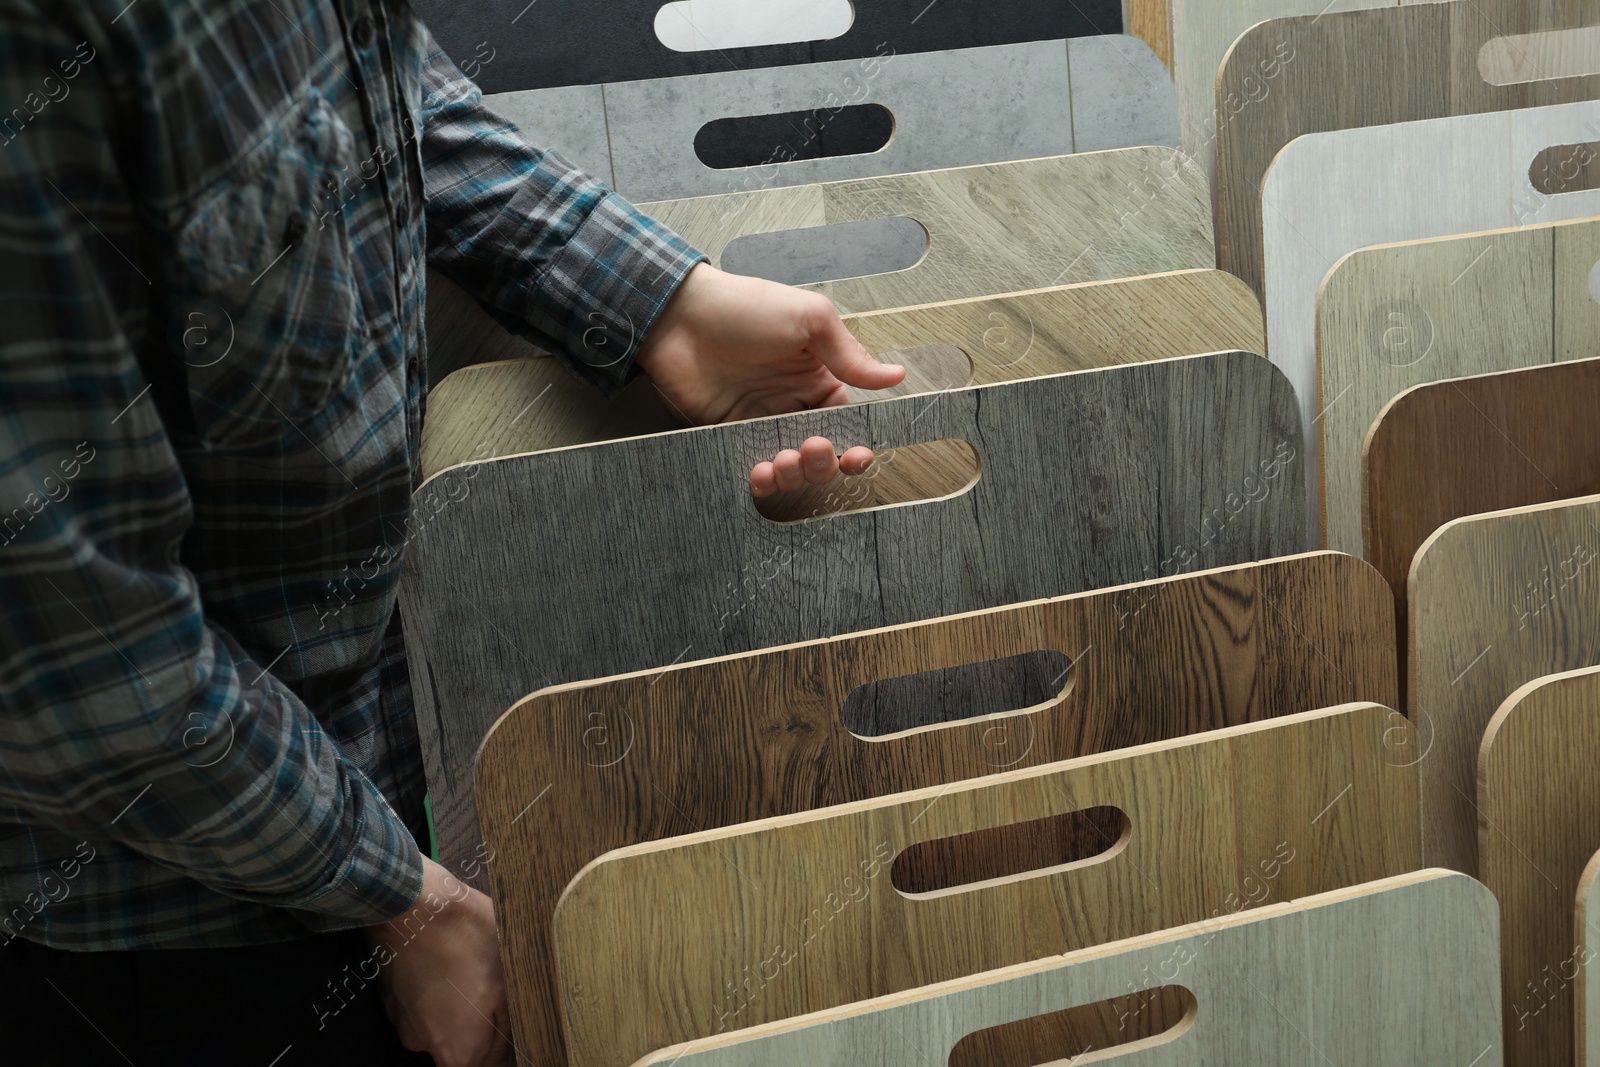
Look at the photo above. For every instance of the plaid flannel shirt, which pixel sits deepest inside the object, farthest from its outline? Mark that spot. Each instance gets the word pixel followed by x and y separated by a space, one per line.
pixel 213 221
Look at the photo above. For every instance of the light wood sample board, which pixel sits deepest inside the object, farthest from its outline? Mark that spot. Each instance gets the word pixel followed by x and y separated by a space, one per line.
pixel 1465 446
pixel 576 563
pixel 1318 793
pixel 499 409
pixel 944 109
pixel 1329 194
pixel 1401 315
pixel 666 752
pixel 1339 70
pixel 1539 825
pixel 1394 973
pixel 1001 228
pixel 1496 601
pixel 1586 992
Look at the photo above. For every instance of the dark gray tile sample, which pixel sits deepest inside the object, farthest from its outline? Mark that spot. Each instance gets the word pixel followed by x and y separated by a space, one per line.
pixel 584 42
pixel 578 563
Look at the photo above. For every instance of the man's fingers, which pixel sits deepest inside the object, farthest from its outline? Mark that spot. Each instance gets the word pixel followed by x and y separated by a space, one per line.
pixel 787 468
pixel 818 461
pixel 763 481
pixel 856 460
pixel 838 350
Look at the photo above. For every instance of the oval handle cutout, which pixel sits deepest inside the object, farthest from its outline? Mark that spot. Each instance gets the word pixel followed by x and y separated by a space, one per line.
pixel 763 140
pixel 929 369
pixel 1566 168
pixel 1089 1033
pixel 918 474
pixel 1015 684
pixel 1594 282
pixel 703 25
pixel 1002 853
pixel 1544 56
pixel 829 253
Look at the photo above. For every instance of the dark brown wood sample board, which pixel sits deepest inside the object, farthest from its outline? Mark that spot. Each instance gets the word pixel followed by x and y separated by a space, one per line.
pixel 667 752
pixel 539 569
pixel 1344 69
pixel 1465 446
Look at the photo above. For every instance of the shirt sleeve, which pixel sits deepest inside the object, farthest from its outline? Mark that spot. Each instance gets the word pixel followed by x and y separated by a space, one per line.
pixel 551 253
pixel 125 714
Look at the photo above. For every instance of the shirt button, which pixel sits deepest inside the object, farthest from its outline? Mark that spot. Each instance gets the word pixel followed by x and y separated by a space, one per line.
pixel 361 31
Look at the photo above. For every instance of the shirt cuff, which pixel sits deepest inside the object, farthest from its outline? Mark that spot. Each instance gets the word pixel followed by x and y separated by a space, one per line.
pixel 382 878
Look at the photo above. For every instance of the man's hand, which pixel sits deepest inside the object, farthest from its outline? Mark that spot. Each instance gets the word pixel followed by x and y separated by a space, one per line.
pixel 728 347
pixel 440 974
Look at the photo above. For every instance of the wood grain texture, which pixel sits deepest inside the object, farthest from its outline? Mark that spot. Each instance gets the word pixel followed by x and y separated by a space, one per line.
pixel 1001 228
pixel 1202 33
pixel 521 572
pixel 1329 194
pixel 1394 973
pixel 499 409
pixel 1465 446
pixel 1538 827
pixel 759 735
pixel 1317 794
pixel 1495 601
pixel 1151 22
pixel 1586 992
pixel 1023 225
pixel 1399 315
pixel 1344 69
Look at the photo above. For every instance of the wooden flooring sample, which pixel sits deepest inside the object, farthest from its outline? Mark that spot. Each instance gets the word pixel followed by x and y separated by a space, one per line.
pixel 575 43
pixel 1202 33
pixel 1394 973
pixel 1338 70
pixel 1586 993
pixel 1001 228
pixel 499 409
pixel 578 563
pixel 1400 315
pixel 1539 826
pixel 1496 601
pixel 1329 194
pixel 666 752
pixel 740 129
pixel 648 937
pixel 1465 446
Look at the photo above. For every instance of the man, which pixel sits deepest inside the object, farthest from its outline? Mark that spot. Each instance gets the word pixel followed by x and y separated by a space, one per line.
pixel 214 222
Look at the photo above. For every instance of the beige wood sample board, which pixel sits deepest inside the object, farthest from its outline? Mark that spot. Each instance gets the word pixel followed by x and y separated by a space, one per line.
pixel 1319 794
pixel 1395 973
pixel 1001 228
pixel 664 752
pixel 1495 601
pixel 499 409
pixel 1329 194
pixel 1339 70
pixel 1400 315
pixel 1539 826
pixel 1586 991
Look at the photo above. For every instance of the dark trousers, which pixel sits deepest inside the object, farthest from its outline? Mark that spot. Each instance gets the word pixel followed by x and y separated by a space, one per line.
pixel 261 1006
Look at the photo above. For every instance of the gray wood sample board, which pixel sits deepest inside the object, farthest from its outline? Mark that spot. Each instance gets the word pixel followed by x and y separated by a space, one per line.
pixel 993 229
pixel 1329 194
pixel 1398 972
pixel 669 138
pixel 572 42
pixel 577 563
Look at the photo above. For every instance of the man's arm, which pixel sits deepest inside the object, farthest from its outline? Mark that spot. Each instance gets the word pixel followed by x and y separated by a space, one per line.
pixel 124 713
